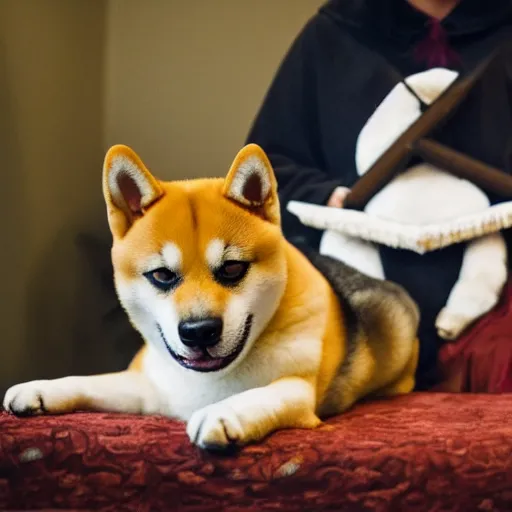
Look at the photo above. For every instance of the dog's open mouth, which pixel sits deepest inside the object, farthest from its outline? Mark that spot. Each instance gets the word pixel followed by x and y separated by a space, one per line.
pixel 202 361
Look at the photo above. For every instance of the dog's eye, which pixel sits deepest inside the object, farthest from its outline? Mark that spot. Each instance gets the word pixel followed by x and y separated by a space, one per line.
pixel 231 272
pixel 162 278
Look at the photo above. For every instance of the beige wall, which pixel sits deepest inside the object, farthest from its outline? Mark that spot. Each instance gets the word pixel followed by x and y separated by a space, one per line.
pixel 180 81
pixel 185 78
pixel 51 111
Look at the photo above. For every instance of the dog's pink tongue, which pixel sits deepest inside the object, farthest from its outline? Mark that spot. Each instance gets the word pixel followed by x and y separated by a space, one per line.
pixel 195 356
pixel 201 360
pixel 206 363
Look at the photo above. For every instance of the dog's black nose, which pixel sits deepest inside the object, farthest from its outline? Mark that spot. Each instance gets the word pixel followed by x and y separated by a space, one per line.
pixel 200 333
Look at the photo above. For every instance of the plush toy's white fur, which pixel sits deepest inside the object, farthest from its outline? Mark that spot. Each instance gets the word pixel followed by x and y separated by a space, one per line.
pixel 422 209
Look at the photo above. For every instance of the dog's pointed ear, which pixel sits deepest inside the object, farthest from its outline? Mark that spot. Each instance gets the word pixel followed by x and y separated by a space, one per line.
pixel 128 188
pixel 252 184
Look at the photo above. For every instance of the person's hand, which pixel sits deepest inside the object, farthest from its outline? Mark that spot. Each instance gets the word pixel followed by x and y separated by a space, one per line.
pixel 338 197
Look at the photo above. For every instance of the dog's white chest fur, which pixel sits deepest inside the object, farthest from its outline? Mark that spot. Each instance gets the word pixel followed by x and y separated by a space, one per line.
pixel 182 392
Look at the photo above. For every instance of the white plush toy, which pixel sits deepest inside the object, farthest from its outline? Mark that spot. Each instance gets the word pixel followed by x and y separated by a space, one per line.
pixel 421 209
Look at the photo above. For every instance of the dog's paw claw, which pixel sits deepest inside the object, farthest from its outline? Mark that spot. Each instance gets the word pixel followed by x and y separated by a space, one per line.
pixel 215 428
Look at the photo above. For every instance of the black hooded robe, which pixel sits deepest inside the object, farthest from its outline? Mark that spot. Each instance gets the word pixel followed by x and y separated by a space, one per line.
pixel 341 66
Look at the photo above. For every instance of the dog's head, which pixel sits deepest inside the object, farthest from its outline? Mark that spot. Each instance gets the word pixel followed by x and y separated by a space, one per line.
pixel 199 265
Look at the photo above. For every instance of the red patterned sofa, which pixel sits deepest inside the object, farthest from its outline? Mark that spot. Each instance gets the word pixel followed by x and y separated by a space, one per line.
pixel 423 452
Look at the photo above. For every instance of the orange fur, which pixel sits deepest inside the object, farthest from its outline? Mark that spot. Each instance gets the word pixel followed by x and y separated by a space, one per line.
pixel 138 360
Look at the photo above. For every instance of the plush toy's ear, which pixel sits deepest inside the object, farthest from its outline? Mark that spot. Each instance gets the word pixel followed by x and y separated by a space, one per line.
pixel 252 184
pixel 128 187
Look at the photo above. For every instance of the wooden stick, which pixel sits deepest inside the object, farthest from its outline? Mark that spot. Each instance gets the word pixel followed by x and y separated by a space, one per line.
pixel 487 177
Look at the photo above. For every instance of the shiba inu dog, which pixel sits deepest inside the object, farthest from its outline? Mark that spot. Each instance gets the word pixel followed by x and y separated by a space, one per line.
pixel 244 334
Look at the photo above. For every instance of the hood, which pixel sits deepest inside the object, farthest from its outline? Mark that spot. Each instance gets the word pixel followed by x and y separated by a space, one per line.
pixel 398 20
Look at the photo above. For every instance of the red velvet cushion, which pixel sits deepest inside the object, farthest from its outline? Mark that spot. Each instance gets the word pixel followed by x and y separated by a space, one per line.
pixel 420 452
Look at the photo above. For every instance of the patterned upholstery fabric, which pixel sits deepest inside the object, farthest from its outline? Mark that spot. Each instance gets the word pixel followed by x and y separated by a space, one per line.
pixel 422 452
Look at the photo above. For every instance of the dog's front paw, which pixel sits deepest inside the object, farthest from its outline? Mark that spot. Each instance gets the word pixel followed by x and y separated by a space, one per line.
pixel 216 427
pixel 26 399
pixel 38 397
